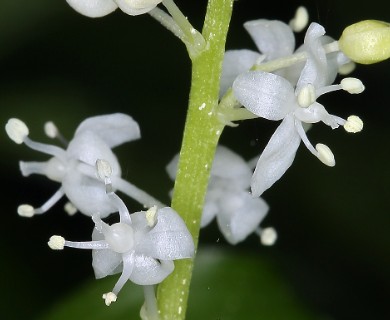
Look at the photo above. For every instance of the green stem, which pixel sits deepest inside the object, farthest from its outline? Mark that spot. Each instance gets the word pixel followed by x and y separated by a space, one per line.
pixel 200 139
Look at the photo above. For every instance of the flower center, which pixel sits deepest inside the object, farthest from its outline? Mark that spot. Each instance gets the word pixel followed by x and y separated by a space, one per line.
pixel 120 237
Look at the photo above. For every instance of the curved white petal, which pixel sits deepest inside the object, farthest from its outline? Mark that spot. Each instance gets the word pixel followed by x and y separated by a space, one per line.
pixel 171 167
pixel 229 165
pixel 236 62
pixel 315 71
pixel 106 261
pixel 93 8
pixel 169 239
pixel 240 215
pixel 137 7
pixel 149 271
pixel 265 94
pixel 114 129
pixel 277 156
pixel 273 38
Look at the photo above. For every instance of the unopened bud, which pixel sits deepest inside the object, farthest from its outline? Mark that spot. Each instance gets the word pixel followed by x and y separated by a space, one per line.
pixel 366 42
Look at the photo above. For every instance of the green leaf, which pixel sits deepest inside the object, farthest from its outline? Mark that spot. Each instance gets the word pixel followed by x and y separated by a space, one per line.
pixel 226 285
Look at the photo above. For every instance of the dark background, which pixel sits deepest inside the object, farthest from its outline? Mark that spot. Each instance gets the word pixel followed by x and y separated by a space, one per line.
pixel 333 223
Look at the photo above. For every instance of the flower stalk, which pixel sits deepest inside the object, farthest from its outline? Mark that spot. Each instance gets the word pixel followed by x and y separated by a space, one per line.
pixel 200 139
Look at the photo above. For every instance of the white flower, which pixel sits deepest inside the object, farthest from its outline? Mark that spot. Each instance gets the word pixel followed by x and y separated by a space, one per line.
pixel 142 246
pixel 274 98
pixel 228 200
pixel 74 167
pixel 273 38
pixel 99 8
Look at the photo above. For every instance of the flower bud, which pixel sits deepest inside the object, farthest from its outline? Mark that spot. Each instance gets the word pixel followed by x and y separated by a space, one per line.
pixel 366 42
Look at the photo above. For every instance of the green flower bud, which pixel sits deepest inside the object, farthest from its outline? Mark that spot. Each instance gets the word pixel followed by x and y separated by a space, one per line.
pixel 366 42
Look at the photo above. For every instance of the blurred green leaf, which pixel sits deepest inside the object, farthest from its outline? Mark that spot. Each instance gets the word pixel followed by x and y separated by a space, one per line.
pixel 226 285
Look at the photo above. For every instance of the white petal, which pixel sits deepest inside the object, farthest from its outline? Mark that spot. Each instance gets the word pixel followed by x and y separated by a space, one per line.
pixel 240 215
pixel 273 38
pixel 114 129
pixel 137 7
pixel 105 262
pixel 236 62
pixel 171 167
pixel 277 156
pixel 149 271
pixel 229 165
pixel 168 240
pixel 265 94
pixel 93 8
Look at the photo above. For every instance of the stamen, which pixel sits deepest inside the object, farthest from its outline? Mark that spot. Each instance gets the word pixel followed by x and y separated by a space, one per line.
pixel 104 172
pixel 306 96
pixel 56 243
pixel 325 155
pixel 109 297
pixel 151 216
pixel 70 208
pixel 16 130
pixel 25 210
pixel 347 68
pixel 50 129
pixel 352 85
pixel 353 124
pixel 268 236
pixel 300 20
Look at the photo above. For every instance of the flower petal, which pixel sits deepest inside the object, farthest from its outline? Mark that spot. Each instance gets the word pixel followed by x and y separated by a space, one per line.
pixel 265 94
pixel 93 8
pixel 169 239
pixel 137 7
pixel 106 261
pixel 236 62
pixel 114 129
pixel 273 38
pixel 240 215
pixel 149 271
pixel 277 156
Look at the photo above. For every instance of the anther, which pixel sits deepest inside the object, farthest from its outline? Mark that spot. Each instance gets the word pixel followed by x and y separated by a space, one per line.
pixel 104 171
pixel 70 208
pixel 306 96
pixel 268 236
pixel 56 243
pixel 109 297
pixel 151 216
pixel 25 210
pixel 16 130
pixel 300 20
pixel 352 85
pixel 50 129
pixel 353 124
pixel 325 155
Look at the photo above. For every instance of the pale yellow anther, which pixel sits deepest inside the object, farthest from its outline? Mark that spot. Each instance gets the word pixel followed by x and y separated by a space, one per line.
pixel 268 236
pixel 354 124
pixel 103 169
pixel 306 96
pixel 352 85
pixel 109 297
pixel 300 20
pixel 70 208
pixel 151 216
pixel 56 243
pixel 16 130
pixel 25 210
pixel 50 129
pixel 325 155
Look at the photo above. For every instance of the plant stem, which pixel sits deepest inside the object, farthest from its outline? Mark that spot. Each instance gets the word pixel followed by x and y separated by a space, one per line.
pixel 201 134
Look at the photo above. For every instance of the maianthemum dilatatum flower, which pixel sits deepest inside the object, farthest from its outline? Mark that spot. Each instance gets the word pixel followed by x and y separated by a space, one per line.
pixel 99 8
pixel 228 199
pixel 141 246
pixel 273 97
pixel 74 167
